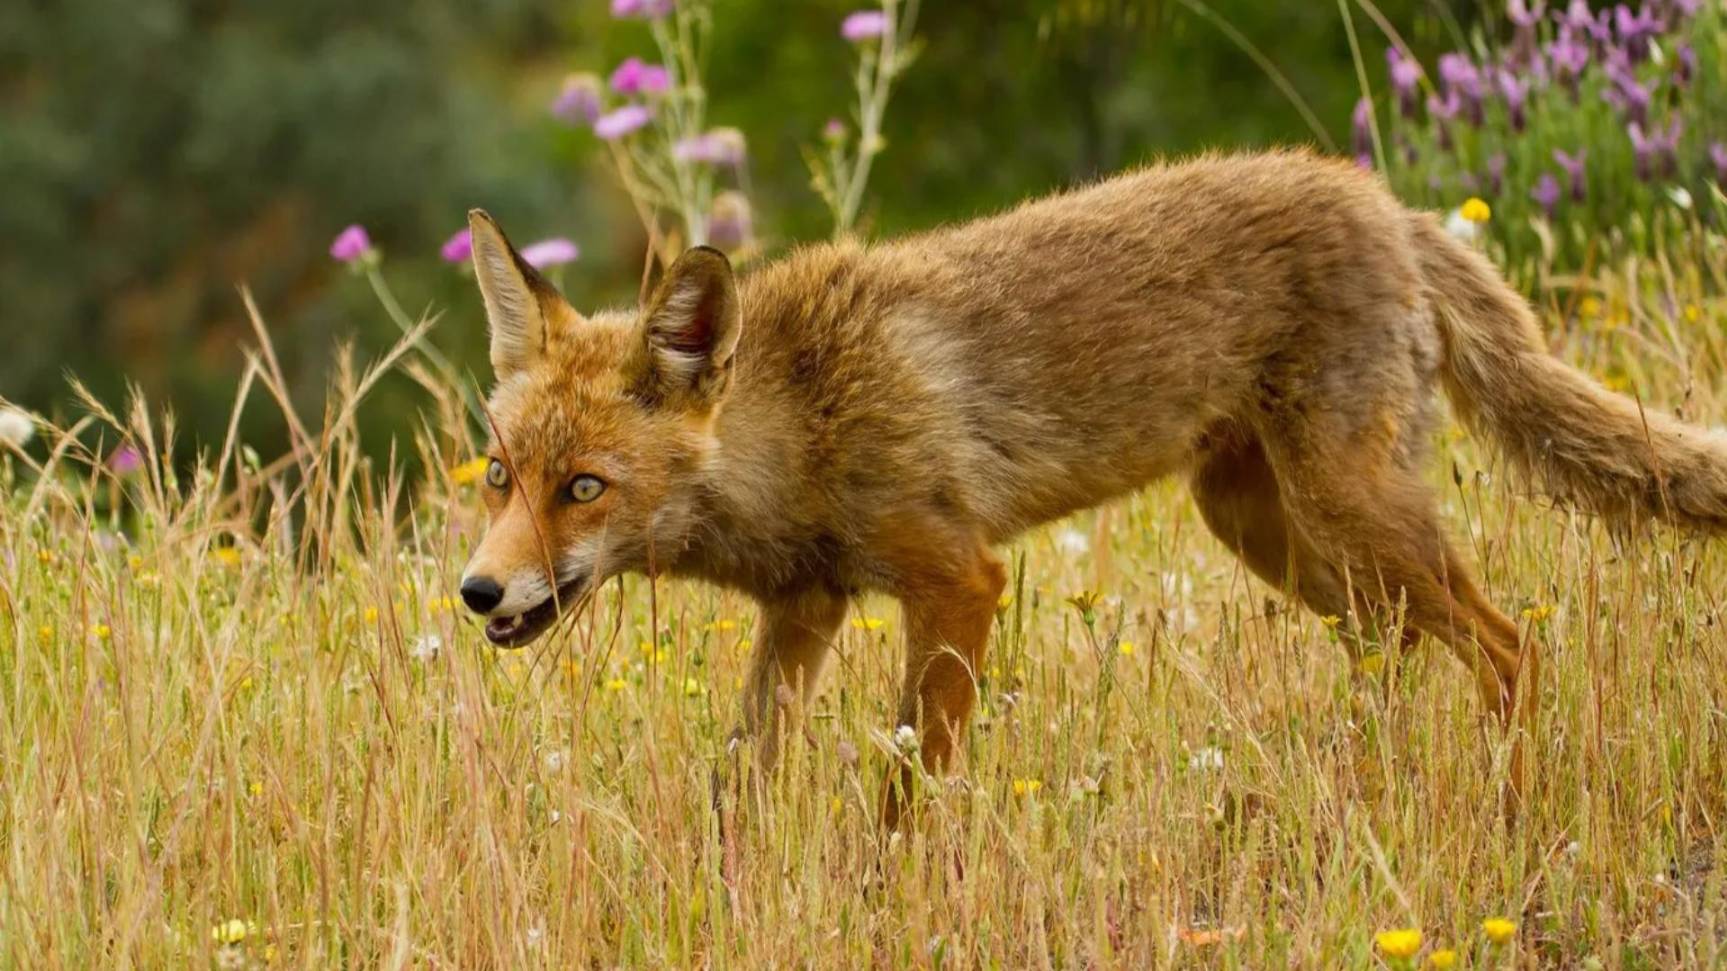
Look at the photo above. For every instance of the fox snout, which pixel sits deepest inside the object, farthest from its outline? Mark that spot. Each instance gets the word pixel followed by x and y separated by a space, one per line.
pixel 482 594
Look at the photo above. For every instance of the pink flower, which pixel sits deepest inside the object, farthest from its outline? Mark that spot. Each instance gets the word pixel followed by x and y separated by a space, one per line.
pixel 127 459
pixel 730 224
pixel 550 252
pixel 351 244
pixel 834 130
pixel 458 248
pixel 863 25
pixel 616 124
pixel 578 101
pixel 634 76
pixel 721 146
pixel 644 9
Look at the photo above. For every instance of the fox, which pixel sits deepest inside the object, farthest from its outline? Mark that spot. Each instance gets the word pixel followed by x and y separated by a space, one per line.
pixel 885 417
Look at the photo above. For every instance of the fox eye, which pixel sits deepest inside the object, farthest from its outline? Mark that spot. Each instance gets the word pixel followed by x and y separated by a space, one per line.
pixel 496 475
pixel 586 488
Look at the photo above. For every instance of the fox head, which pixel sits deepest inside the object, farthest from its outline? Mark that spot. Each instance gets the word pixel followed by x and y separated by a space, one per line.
pixel 602 431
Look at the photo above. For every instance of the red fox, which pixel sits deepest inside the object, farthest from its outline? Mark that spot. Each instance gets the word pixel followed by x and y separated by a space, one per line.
pixel 881 417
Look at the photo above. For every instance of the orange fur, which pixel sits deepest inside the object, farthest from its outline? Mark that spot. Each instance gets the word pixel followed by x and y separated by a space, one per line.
pixel 880 417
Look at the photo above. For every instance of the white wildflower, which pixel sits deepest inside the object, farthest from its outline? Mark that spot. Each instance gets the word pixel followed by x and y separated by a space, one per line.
pixel 1460 227
pixel 1210 757
pixel 16 426
pixel 554 760
pixel 905 738
pixel 426 647
pixel 1072 542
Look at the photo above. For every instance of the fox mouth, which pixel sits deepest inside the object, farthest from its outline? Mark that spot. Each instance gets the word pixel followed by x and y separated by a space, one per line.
pixel 526 627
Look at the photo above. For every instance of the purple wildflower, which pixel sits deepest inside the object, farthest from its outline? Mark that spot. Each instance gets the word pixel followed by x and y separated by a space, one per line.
pixel 1444 111
pixel 834 130
pixel 1623 90
pixel 1718 155
pixel 351 244
pixel 1686 56
pixel 721 146
pixel 731 225
pixel 634 76
pixel 458 248
pixel 550 252
pixel 1405 77
pixel 643 9
pixel 578 101
pixel 1657 152
pixel 1570 56
pixel 126 460
pixel 1362 133
pixel 1524 20
pixel 1496 173
pixel 1515 91
pixel 1462 78
pixel 1576 171
pixel 1546 193
pixel 863 25
pixel 616 124
pixel 1636 30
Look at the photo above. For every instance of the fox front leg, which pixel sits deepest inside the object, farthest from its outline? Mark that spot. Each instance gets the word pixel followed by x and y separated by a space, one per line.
pixel 792 642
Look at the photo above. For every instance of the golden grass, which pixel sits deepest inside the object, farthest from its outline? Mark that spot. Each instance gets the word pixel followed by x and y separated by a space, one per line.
pixel 244 725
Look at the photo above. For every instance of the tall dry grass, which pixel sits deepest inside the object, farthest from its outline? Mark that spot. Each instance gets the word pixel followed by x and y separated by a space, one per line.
pixel 244 724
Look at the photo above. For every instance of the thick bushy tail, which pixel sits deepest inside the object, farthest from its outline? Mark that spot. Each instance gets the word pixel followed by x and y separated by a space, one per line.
pixel 1575 439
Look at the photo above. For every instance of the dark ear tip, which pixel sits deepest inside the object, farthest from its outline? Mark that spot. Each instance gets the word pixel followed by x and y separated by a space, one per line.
pixel 707 254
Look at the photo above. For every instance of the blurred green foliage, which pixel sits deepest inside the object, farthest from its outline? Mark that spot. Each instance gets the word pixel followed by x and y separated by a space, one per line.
pixel 157 154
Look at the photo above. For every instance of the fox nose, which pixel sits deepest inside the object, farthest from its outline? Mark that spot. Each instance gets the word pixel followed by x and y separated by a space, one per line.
pixel 481 594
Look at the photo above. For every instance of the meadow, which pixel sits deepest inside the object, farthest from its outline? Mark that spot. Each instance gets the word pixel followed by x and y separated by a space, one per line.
pixel 246 723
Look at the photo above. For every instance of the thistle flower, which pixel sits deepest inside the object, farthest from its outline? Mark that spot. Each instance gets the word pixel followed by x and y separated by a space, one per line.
pixel 616 124
pixel 458 248
pixel 635 76
pixel 1718 155
pixel 351 245
pixel 1546 193
pixel 834 130
pixel 1405 78
pixel 1575 167
pixel 731 225
pixel 641 9
pixel 126 460
pixel 721 146
pixel 863 25
pixel 550 252
pixel 16 426
pixel 578 101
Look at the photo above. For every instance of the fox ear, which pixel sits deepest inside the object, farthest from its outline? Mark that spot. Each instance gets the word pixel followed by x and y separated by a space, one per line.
pixel 692 328
pixel 515 296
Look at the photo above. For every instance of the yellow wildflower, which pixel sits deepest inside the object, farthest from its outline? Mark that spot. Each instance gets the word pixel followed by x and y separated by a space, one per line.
pixel 1005 602
pixel 45 634
pixel 229 932
pixel 1442 959
pixel 1401 943
pixel 45 557
pixel 1590 307
pixel 721 625
pixel 1538 612
pixel 744 645
pixel 1498 929
pixel 693 688
pixel 441 605
pixel 225 555
pixel 133 562
pixel 1372 664
pixel 1126 648
pixel 1331 621
pixel 1026 787
pixel 868 623
pixel 102 632
pixel 256 789
pixel 617 684
pixel 1476 210
pixel 1693 313
pixel 371 615
pixel 471 471
pixel 837 805
pixel 149 580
